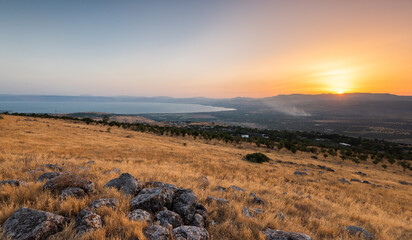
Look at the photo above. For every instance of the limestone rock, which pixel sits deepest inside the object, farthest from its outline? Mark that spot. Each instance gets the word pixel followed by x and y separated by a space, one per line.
pixel 126 183
pixel 190 233
pixel 272 234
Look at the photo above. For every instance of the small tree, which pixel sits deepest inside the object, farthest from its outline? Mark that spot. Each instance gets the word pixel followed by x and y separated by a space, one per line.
pixel 105 119
pixel 257 157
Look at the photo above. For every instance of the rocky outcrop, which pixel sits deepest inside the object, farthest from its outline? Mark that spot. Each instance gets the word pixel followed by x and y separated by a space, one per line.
pixel 156 232
pixel 272 234
pixel 169 219
pixel 104 202
pixel 47 176
pixel 359 232
pixel 140 215
pixel 87 221
pixel 190 233
pixel 126 183
pixel 27 223
pixel 149 199
pixel 13 182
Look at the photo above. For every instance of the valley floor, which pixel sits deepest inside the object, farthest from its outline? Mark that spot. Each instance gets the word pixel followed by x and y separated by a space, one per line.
pixel 317 204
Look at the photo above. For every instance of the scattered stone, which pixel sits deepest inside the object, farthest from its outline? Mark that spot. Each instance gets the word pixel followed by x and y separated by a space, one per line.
pixel 59 183
pixel 237 188
pixel 37 170
pixel 367 182
pixel 310 180
pixel 405 183
pixel 360 173
pixel 168 188
pixel 355 180
pixel 257 211
pixel 127 183
pixel 104 202
pixel 358 231
pixel 326 168
pixel 90 162
pixel 203 182
pixel 256 199
pixel 247 213
pixel 87 221
pixel 343 180
pixel 280 216
pixel 220 188
pixel 140 215
pixel 47 176
pixel 298 173
pixel 149 199
pixel 184 203
pixel 314 157
pixel 156 232
pixel 83 168
pixel 219 201
pixel 114 170
pixel 169 219
pixel 72 192
pixel 13 182
pixel 272 234
pixel 27 223
pixel 190 233
pixel 53 166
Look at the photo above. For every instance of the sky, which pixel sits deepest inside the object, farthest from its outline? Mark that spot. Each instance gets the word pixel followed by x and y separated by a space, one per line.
pixel 211 48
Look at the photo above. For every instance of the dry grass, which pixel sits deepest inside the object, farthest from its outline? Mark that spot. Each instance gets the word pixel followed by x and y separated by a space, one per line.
pixel 320 208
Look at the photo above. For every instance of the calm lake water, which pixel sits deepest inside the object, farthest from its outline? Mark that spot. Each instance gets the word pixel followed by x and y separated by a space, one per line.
pixel 107 107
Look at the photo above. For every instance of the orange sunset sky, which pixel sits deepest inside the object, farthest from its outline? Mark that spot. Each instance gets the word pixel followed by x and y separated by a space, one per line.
pixel 205 48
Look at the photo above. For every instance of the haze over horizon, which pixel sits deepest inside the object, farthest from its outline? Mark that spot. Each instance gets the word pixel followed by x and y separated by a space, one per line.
pixel 211 49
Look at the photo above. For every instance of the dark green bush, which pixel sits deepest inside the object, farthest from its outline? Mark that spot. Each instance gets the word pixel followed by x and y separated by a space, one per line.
pixel 257 158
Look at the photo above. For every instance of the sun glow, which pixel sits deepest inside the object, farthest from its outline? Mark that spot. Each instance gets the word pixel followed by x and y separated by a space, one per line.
pixel 336 81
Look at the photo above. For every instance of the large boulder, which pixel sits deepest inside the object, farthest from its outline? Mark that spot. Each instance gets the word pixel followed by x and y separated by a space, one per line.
pixel 184 203
pixel 169 219
pixel 74 192
pixel 27 223
pixel 59 183
pixel 190 233
pixel 359 231
pixel 126 183
pixel 87 221
pixel 272 234
pixel 156 232
pixel 104 202
pixel 140 215
pixel 13 182
pixel 149 199
pixel 47 176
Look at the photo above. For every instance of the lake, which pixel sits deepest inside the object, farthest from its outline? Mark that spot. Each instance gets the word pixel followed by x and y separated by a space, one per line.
pixel 107 107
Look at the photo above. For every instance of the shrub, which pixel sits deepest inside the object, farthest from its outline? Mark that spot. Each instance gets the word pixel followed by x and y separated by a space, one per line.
pixel 257 158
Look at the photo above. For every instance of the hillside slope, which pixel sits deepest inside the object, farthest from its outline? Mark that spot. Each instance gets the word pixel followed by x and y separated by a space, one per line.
pixel 317 204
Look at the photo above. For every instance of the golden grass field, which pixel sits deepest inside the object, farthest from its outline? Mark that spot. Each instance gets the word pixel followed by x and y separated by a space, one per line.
pixel 28 143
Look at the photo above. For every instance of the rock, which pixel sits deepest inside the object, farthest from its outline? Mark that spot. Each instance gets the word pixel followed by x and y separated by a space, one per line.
pixel 358 231
pixel 220 188
pixel 272 234
pixel 114 170
pixel 405 183
pixel 13 182
pixel 355 180
pixel 72 192
pixel 190 233
pixel 104 202
pixel 257 211
pixel 366 182
pixel 202 211
pixel 90 162
pixel 168 188
pixel 326 168
pixel 280 216
pixel 47 176
pixel 83 168
pixel 37 170
pixel 27 223
pixel 298 173
pixel 59 183
pixel 127 183
pixel 140 215
pixel 156 232
pixel 169 219
pixel 87 221
pixel 237 188
pixel 219 201
pixel 360 173
pixel 53 166
pixel 343 180
pixel 149 199
pixel 314 157
pixel 198 221
pixel 184 203
pixel 256 199
pixel 247 213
